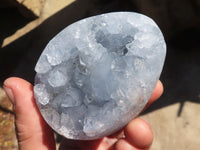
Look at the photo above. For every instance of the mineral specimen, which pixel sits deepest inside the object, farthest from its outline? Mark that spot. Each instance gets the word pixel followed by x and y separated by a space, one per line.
pixel 98 74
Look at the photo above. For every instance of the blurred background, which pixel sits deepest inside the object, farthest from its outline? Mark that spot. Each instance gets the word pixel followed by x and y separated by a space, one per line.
pixel 26 26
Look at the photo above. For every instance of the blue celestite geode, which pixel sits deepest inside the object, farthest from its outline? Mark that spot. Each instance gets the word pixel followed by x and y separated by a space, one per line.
pixel 98 74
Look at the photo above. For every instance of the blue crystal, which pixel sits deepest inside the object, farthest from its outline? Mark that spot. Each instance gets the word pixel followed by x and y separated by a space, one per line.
pixel 98 73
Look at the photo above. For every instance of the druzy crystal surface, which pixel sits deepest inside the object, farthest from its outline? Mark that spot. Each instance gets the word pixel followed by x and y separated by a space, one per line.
pixel 98 73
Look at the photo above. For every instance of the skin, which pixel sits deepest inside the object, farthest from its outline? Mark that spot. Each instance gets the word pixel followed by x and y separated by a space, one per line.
pixel 33 132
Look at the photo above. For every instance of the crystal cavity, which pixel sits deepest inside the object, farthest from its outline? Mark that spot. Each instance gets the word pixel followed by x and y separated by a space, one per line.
pixel 98 73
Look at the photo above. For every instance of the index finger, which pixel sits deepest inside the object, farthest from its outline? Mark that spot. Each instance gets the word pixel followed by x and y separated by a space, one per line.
pixel 156 93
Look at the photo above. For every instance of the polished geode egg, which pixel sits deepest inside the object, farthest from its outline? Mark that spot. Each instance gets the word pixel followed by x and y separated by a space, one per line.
pixel 98 73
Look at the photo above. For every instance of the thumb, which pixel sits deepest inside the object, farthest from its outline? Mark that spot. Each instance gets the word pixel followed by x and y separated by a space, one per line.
pixel 31 129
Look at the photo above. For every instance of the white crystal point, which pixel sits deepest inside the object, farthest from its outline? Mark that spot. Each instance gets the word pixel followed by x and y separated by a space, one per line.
pixel 98 73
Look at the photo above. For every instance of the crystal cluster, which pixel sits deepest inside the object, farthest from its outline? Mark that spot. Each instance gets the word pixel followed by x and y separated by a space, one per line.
pixel 98 73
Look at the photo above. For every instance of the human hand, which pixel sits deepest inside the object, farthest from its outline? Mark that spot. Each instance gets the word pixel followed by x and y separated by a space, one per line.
pixel 33 132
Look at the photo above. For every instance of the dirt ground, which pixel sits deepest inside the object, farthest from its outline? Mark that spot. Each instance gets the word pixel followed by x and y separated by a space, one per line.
pixel 7 130
pixel 174 117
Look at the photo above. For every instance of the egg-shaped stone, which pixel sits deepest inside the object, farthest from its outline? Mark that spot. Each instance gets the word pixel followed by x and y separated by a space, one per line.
pixel 97 74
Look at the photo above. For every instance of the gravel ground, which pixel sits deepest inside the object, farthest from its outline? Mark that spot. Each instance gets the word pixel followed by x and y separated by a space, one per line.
pixel 7 130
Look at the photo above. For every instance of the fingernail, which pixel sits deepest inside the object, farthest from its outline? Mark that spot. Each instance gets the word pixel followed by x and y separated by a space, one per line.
pixel 9 94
